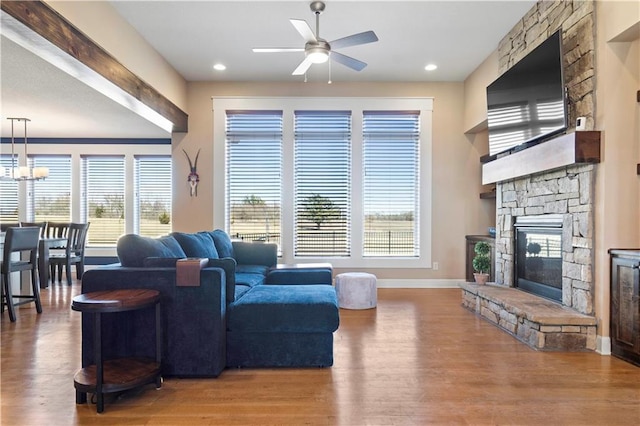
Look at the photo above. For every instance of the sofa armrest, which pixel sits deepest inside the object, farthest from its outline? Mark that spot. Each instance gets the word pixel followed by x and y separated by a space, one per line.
pixel 246 253
pixel 193 320
pixel 229 266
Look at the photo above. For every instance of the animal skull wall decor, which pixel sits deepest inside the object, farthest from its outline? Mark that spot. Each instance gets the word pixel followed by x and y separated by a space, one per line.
pixel 193 177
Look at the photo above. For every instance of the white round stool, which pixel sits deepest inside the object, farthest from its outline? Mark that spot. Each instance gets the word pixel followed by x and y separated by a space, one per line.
pixel 356 290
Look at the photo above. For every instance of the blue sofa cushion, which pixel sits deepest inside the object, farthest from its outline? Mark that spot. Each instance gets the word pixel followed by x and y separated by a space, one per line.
pixel 252 269
pixel 285 309
pixel 241 290
pixel 250 280
pixel 223 243
pixel 197 245
pixel 133 249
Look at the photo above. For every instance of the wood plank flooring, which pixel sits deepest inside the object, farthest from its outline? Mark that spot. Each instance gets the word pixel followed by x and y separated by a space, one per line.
pixel 418 359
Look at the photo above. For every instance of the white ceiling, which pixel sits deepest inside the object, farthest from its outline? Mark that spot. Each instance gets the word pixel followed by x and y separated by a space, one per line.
pixel 193 35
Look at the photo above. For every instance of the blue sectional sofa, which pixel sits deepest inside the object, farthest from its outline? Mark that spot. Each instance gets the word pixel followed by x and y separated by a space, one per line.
pixel 246 311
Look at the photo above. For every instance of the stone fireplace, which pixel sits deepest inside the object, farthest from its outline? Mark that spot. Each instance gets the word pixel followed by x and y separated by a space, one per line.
pixel 563 198
pixel 565 194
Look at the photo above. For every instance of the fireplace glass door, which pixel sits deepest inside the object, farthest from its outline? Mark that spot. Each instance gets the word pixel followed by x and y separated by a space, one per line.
pixel 539 261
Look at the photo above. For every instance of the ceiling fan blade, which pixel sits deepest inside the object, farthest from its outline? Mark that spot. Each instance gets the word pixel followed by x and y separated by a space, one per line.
pixel 354 40
pixel 303 67
pixel 348 61
pixel 277 49
pixel 304 29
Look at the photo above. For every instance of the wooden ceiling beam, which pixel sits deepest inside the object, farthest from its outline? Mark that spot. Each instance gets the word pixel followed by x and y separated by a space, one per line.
pixel 76 53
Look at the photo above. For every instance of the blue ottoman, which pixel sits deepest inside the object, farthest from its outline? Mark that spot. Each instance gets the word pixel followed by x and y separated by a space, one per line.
pixel 283 326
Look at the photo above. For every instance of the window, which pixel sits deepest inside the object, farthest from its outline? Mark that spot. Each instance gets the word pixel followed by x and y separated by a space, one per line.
pixel 322 183
pixel 391 190
pixel 8 193
pixel 349 178
pixel 152 213
pixel 50 199
pixel 103 198
pixel 253 166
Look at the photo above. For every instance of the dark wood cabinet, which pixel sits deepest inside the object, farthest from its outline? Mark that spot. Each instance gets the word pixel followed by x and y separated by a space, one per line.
pixel 471 242
pixel 625 304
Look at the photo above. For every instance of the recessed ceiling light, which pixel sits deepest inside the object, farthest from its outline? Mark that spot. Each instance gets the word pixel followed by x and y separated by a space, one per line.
pixel 431 67
pixel 219 67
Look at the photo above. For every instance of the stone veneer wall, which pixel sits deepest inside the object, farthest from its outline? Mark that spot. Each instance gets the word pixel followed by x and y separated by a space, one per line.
pixel 568 191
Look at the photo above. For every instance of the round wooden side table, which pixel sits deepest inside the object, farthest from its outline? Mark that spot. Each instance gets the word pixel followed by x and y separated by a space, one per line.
pixel 115 375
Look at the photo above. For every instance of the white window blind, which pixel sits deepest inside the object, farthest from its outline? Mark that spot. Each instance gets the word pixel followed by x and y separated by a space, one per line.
pixel 8 194
pixel 103 189
pixel 253 175
pixel 152 208
pixel 50 199
pixel 322 183
pixel 391 190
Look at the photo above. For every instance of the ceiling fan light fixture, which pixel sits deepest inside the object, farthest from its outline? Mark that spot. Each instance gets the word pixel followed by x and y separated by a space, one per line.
pixel 317 55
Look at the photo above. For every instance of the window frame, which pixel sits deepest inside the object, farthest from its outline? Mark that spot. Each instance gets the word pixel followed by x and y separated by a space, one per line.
pixel 81 147
pixel 357 105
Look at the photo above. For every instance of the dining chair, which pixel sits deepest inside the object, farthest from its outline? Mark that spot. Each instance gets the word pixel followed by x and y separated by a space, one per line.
pixel 41 225
pixel 5 226
pixel 57 229
pixel 21 241
pixel 73 253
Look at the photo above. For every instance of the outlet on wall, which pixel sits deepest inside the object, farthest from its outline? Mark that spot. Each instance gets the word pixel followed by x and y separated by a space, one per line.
pixel 435 266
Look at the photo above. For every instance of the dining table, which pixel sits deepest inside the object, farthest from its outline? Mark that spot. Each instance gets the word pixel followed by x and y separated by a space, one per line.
pixel 44 245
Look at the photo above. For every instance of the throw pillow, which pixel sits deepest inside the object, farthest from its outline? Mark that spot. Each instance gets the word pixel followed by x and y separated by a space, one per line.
pixel 173 246
pixel 196 245
pixel 132 249
pixel 223 243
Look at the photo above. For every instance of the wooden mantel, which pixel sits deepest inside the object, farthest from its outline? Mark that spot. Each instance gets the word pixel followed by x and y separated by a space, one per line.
pixel 565 150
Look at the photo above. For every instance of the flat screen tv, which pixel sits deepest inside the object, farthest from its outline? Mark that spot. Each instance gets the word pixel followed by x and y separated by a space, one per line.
pixel 527 104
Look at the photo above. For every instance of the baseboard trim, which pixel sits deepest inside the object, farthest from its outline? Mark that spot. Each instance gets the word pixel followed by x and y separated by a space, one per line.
pixel 603 345
pixel 419 283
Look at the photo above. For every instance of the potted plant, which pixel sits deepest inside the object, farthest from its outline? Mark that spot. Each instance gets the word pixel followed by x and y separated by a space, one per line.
pixel 482 262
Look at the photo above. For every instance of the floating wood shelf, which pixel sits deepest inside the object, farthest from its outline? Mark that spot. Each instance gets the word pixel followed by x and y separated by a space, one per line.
pixel 486 158
pixel 574 148
pixel 488 195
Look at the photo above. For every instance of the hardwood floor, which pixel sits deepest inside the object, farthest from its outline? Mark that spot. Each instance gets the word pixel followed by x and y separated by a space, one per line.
pixel 418 359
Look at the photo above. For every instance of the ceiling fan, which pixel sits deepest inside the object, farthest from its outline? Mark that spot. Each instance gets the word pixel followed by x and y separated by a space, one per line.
pixel 317 50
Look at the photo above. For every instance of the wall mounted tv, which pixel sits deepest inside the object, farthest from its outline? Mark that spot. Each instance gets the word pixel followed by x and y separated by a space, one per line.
pixel 527 103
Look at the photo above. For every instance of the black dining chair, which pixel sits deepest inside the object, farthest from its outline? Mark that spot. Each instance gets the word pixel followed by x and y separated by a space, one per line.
pixel 24 242
pixel 73 253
